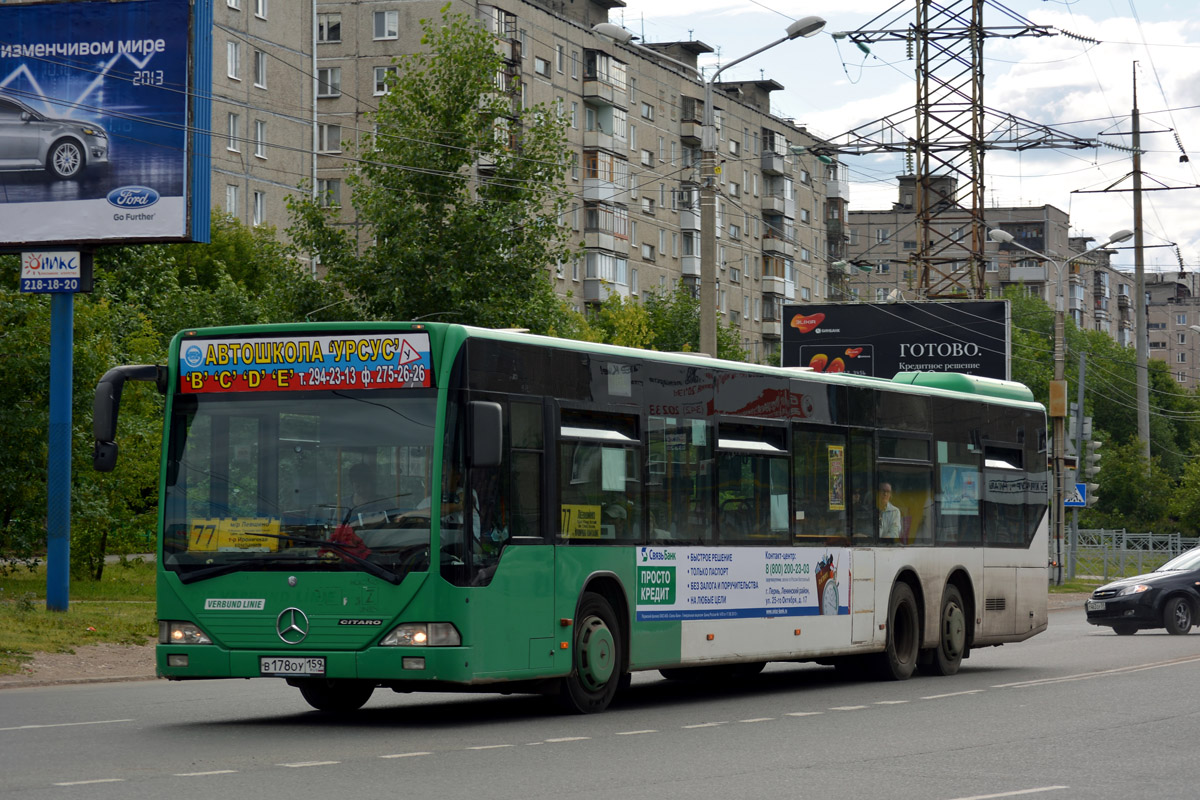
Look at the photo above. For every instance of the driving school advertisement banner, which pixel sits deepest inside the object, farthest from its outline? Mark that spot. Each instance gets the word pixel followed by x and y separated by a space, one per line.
pixel 678 583
pixel 94 100
pixel 300 363
pixel 882 339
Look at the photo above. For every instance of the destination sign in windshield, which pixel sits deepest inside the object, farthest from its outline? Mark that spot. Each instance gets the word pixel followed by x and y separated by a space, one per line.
pixel 300 363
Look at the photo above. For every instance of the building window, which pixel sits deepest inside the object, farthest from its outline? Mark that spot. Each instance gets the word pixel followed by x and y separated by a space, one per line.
pixel 647 111
pixel 647 158
pixel 260 138
pixel 1181 319
pixel 648 252
pixel 329 138
pixel 260 69
pixel 260 208
pixel 560 57
pixel 1181 358
pixel 233 60
pixel 235 133
pixel 329 192
pixel 648 205
pixel 231 199
pixel 260 9
pixel 387 24
pixel 734 147
pixel 234 3
pixel 881 235
pixel 329 82
pixel 574 114
pixel 381 79
pixel 329 28
pixel 575 64
pixel 541 66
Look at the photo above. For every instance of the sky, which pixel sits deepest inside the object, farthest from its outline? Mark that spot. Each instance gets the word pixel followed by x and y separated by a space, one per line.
pixel 1080 87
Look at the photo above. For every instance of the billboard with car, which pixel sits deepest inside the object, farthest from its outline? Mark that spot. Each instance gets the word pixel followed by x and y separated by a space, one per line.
pixel 96 105
pixel 881 339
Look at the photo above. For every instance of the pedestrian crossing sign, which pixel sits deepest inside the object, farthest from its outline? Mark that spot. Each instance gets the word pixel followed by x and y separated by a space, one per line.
pixel 1076 497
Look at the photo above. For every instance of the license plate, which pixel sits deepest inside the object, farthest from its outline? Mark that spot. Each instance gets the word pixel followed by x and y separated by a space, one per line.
pixel 291 665
pixel 1096 605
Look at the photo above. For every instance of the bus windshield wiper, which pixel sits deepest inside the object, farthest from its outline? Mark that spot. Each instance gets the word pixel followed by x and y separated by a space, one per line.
pixel 343 551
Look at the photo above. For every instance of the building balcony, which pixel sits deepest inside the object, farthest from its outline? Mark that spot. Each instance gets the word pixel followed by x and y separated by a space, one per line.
pixel 601 190
pixel 775 246
pixel 774 285
pixel 691 131
pixel 1123 302
pixel 689 219
pixel 772 204
pixel 596 290
pixel 774 164
pixel 598 140
pixel 595 91
pixel 605 240
pixel 1027 274
pixel 772 330
pixel 837 189
pixel 690 266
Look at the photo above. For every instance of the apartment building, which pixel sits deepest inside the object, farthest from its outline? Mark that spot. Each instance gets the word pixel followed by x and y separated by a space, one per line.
pixel 293 93
pixel 1173 323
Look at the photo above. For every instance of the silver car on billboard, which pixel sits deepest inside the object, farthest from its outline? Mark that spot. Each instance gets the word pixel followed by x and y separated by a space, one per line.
pixel 64 148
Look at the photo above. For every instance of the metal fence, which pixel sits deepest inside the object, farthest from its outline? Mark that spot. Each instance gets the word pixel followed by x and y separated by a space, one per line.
pixel 1111 554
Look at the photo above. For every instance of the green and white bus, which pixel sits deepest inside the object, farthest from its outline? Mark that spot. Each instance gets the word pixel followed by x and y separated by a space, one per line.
pixel 438 507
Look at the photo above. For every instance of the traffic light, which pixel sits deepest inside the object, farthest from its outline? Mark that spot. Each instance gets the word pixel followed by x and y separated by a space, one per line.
pixel 1089 468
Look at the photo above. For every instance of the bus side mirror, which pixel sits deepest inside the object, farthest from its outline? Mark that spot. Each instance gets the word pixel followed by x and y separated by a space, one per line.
pixel 106 407
pixel 487 433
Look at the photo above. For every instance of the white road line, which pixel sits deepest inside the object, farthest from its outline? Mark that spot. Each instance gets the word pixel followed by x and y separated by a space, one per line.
pixel 64 724
pixel 634 733
pixel 952 694
pixel 890 702
pixel 1083 676
pixel 299 764
pixel 568 739
pixel 805 713
pixel 84 783
pixel 704 725
pixel 1016 793
pixel 490 746
pixel 202 774
pixel 757 719
pixel 847 708
pixel 407 755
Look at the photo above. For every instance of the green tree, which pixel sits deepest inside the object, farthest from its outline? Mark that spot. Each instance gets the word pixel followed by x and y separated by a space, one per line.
pixel 675 321
pixel 457 195
pixel 1132 494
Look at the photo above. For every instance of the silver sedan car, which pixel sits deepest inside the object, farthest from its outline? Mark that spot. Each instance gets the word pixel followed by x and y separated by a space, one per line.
pixel 29 140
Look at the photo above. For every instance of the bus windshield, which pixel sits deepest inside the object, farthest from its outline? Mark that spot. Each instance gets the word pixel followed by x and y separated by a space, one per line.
pixel 325 481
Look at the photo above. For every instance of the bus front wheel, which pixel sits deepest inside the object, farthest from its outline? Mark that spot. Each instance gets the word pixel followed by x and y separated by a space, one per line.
pixel 596 658
pixel 337 697
pixel 899 658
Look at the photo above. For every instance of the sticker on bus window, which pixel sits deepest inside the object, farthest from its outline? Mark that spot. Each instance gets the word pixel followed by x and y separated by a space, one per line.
pixel 306 363
pixel 225 534
pixel 581 522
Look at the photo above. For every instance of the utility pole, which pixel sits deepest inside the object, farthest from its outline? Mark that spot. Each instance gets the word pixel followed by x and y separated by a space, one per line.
pixel 1142 345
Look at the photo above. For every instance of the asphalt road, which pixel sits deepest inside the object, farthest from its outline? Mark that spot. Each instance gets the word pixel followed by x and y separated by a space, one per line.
pixel 1076 712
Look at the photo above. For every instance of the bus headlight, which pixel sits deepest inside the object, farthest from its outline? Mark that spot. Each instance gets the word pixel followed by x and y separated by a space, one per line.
pixel 423 634
pixel 175 632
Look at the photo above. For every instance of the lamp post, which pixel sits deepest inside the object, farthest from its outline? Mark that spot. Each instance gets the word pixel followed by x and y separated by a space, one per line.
pixel 1058 387
pixel 804 27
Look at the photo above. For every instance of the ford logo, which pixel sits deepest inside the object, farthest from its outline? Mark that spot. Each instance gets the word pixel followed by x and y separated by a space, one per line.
pixel 133 197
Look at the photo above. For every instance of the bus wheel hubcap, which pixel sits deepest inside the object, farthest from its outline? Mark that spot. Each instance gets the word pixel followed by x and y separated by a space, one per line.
pixel 596 652
pixel 954 631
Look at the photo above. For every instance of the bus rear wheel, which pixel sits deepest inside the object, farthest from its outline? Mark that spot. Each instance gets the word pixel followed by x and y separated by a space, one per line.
pixel 335 696
pixel 899 658
pixel 597 658
pixel 947 657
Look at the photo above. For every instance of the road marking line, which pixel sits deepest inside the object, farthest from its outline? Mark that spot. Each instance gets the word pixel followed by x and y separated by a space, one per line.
pixel 890 702
pixel 490 746
pixel 309 764
pixel 805 713
pixel 64 724
pixel 705 725
pixel 201 774
pixel 84 783
pixel 1016 793
pixel 407 755
pixel 847 708
pixel 757 719
pixel 634 733
pixel 951 694
pixel 1083 676
pixel 568 739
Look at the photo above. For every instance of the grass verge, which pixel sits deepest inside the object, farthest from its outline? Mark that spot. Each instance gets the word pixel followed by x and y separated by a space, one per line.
pixel 118 609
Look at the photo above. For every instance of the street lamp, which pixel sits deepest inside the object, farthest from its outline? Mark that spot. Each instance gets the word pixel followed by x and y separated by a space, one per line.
pixel 803 27
pixel 1058 387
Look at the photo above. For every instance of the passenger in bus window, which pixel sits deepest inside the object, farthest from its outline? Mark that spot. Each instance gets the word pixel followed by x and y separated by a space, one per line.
pixel 889 515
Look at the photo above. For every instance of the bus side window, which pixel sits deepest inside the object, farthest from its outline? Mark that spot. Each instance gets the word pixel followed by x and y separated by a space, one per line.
pixel 679 480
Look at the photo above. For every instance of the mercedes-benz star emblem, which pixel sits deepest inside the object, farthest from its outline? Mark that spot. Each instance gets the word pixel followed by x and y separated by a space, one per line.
pixel 291 625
